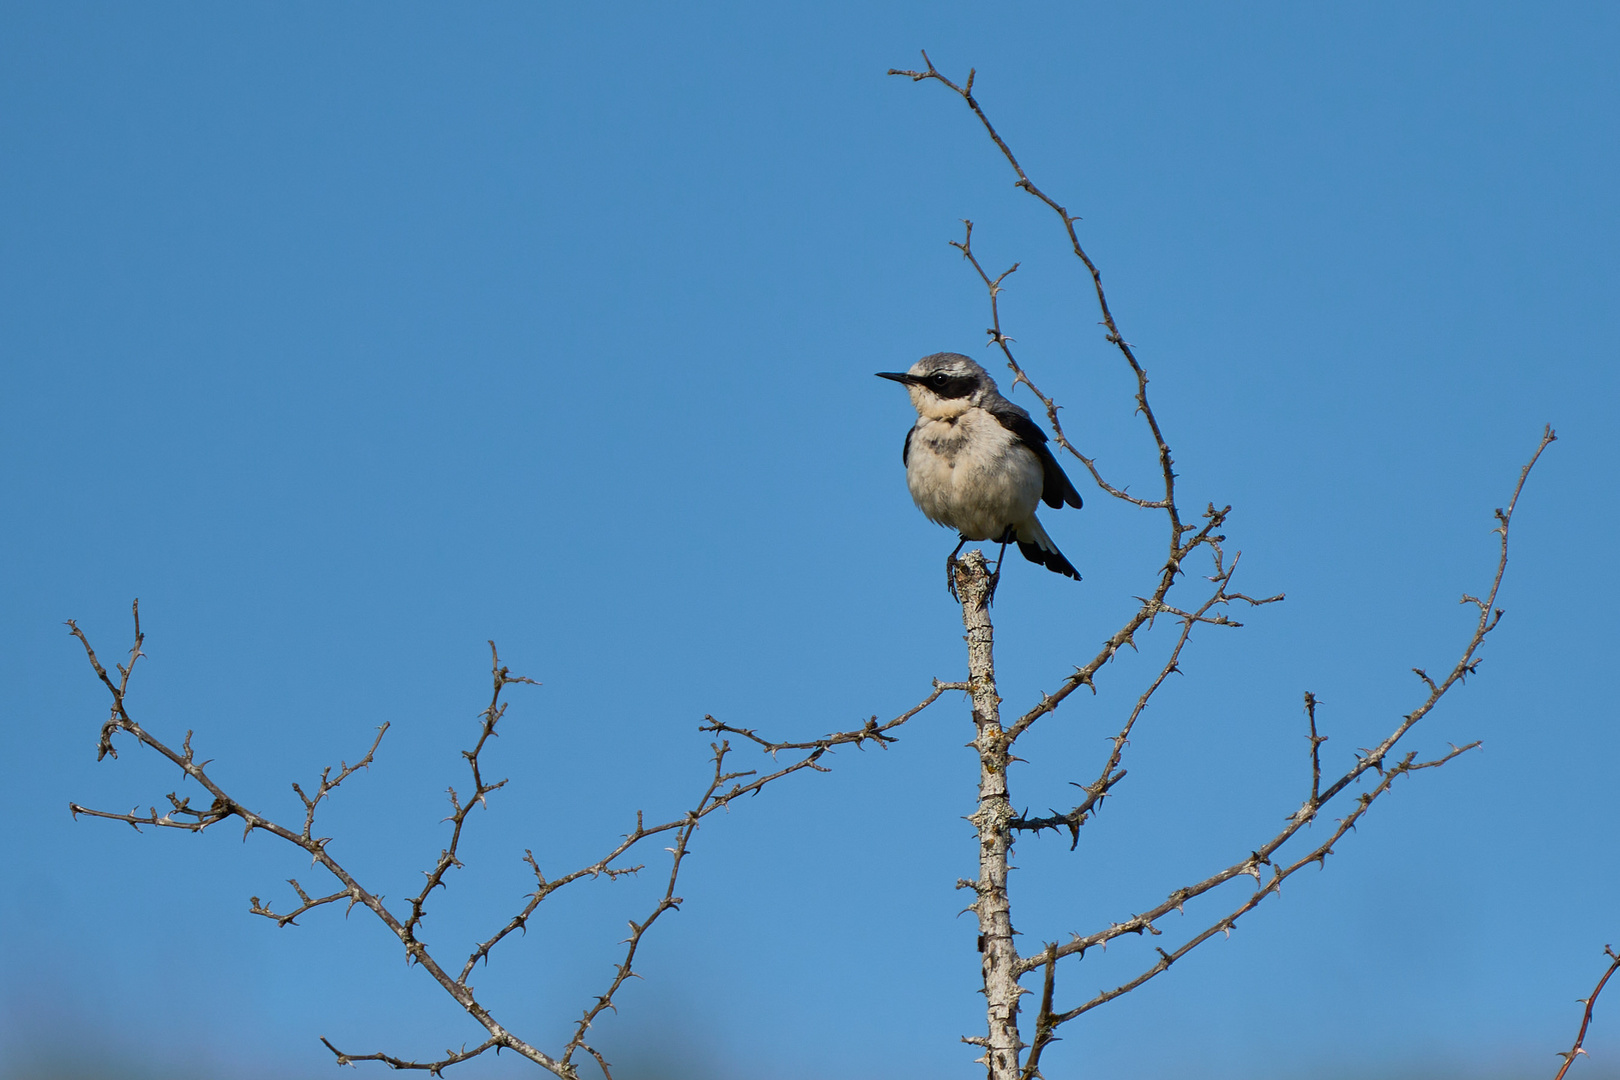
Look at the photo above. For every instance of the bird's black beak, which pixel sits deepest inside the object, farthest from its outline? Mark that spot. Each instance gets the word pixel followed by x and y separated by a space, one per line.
pixel 898 376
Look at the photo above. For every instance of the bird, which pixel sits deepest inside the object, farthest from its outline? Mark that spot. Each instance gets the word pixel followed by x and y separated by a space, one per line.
pixel 977 463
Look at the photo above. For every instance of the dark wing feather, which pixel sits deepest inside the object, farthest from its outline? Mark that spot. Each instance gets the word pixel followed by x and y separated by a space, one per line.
pixel 905 451
pixel 1056 489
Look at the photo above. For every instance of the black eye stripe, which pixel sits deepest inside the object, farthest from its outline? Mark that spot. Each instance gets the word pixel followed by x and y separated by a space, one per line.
pixel 951 386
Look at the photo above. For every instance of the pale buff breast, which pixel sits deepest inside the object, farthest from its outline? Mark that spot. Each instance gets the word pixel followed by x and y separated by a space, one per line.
pixel 968 473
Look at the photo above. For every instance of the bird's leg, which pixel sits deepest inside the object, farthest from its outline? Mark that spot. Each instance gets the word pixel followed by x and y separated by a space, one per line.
pixel 1006 538
pixel 995 577
pixel 950 568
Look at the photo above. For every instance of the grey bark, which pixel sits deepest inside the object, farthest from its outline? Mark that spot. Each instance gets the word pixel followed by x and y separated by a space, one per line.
pixel 992 819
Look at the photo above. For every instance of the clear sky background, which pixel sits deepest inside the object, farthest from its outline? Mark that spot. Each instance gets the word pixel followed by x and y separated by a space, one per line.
pixel 348 337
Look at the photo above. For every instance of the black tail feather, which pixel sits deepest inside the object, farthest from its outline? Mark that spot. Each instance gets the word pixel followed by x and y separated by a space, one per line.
pixel 1053 560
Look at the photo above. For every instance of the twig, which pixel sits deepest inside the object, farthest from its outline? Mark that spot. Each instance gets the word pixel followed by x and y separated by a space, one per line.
pixel 502 678
pixel 667 902
pixel 1316 754
pixel 871 729
pixel 434 1068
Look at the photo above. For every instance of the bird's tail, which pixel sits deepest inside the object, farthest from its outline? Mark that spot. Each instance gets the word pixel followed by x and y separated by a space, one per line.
pixel 1038 548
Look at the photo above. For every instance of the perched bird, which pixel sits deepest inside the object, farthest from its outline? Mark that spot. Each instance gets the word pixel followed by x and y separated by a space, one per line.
pixel 977 463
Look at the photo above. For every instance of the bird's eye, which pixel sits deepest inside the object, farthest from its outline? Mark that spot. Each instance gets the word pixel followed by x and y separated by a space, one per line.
pixel 939 379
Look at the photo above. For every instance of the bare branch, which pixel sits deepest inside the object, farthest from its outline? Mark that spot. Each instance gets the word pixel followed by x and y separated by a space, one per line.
pixel 1250 866
pixel 1111 774
pixel 993 286
pixel 870 730
pixel 1489 616
pixel 710 802
pixel 667 902
pixel 1316 753
pixel 1374 759
pixel 118 718
pixel 1577 1049
pixel 434 1068
pixel 329 783
pixel 1044 1027
pixel 183 816
pixel 492 714
pixel 180 815
pixel 257 908
pixel 723 787
pixel 1144 616
pixel 965 92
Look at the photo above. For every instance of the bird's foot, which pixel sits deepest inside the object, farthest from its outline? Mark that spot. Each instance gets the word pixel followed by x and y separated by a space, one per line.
pixel 950 568
pixel 1001 557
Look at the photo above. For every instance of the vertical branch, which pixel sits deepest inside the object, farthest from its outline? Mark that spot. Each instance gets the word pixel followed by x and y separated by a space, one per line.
pixel 1045 1025
pixel 993 819
pixel 1316 752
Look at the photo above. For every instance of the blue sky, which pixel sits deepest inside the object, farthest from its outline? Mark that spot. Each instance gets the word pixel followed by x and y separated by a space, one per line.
pixel 348 338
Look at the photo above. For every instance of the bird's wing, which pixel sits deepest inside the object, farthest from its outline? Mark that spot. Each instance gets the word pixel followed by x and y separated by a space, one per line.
pixel 905 451
pixel 1056 490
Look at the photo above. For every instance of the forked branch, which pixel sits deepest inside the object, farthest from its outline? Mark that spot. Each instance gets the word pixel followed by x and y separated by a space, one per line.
pixel 1262 856
pixel 723 787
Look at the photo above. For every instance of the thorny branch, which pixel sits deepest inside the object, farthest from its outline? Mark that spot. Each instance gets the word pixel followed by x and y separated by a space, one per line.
pixel 1316 751
pixel 1045 1019
pixel 872 730
pixel 723 788
pixel 1144 923
pixel 1590 1001
pixel 965 92
pixel 434 1068
pixel 1181 544
pixel 480 791
pixel 1111 773
pixel 993 286
pixel 1183 541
